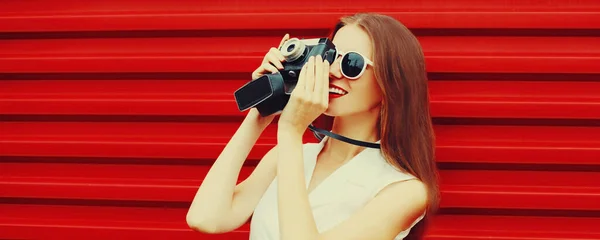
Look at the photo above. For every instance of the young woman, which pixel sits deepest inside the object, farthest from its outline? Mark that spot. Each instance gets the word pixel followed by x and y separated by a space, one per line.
pixel 375 91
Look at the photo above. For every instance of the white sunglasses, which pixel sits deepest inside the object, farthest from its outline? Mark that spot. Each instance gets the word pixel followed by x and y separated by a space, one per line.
pixel 353 64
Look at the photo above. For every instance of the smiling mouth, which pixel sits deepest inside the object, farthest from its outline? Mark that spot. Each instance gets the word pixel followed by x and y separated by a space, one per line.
pixel 335 91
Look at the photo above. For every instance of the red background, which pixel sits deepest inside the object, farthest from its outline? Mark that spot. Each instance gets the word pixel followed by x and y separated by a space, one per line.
pixel 113 111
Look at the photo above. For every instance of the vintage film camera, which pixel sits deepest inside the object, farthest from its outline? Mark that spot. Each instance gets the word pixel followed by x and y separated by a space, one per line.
pixel 271 92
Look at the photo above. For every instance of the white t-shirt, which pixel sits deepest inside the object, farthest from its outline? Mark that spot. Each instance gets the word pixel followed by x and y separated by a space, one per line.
pixel 337 197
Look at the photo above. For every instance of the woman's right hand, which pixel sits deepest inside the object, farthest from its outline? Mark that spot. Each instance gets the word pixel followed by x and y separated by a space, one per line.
pixel 271 63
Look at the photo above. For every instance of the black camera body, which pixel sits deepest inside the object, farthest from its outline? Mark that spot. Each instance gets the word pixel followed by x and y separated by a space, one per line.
pixel 271 92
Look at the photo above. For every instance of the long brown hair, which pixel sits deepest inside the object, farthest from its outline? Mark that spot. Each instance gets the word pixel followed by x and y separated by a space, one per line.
pixel 407 137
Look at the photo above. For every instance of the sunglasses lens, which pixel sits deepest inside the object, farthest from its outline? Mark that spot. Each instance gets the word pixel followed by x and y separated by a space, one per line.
pixel 352 64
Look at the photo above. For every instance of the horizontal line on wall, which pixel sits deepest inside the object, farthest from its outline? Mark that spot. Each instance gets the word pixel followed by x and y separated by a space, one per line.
pixel 516 121
pixel 95 202
pixel 519 167
pixel 238 119
pixel 161 204
pixel 280 32
pixel 433 76
pixel 116 160
pixel 519 212
pixel 118 118
pixel 126 76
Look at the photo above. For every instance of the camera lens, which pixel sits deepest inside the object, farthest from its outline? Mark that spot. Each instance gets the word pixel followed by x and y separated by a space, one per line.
pixel 292 49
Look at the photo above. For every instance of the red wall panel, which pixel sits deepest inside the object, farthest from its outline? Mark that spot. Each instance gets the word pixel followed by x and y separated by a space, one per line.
pixel 111 112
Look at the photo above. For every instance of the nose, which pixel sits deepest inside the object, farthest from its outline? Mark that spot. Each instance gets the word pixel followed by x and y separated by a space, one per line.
pixel 334 69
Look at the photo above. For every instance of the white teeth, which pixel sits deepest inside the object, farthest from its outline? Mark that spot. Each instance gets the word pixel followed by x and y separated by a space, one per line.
pixel 337 91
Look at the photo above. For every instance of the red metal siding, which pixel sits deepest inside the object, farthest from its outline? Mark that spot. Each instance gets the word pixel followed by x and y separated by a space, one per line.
pixel 112 111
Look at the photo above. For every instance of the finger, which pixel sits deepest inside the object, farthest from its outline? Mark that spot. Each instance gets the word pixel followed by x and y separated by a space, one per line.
pixel 279 55
pixel 302 78
pixel 276 53
pixel 285 38
pixel 318 79
pixel 272 58
pixel 269 68
pixel 310 75
pixel 325 82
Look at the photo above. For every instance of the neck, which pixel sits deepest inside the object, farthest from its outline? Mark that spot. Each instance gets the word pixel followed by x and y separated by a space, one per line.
pixel 361 127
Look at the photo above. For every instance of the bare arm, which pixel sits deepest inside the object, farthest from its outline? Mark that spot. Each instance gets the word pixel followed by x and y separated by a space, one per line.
pixel 220 205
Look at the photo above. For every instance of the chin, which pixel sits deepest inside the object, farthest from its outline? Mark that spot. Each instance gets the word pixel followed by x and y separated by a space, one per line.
pixel 349 109
pixel 332 111
pixel 329 113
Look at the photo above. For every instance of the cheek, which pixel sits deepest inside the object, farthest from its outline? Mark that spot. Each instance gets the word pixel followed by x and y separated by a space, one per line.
pixel 367 94
pixel 375 91
pixel 370 92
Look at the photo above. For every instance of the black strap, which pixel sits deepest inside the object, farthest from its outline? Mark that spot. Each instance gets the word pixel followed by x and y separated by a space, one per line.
pixel 316 132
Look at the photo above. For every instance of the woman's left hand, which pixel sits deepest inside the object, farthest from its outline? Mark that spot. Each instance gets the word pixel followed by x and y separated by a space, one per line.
pixel 309 99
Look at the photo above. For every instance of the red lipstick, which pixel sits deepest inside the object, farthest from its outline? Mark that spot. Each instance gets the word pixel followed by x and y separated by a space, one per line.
pixel 336 92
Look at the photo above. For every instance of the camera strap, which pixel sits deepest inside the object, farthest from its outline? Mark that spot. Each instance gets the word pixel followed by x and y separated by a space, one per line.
pixel 316 131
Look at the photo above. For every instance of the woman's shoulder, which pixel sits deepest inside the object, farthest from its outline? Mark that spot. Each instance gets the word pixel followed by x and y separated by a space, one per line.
pixel 389 172
pixel 390 168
